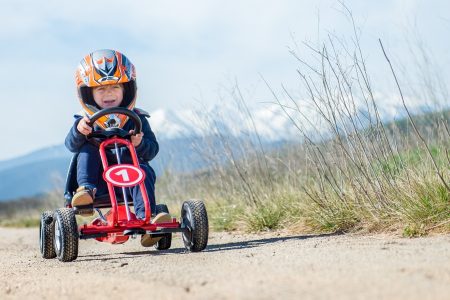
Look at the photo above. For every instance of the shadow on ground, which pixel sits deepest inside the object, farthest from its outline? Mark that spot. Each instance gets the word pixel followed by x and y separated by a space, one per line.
pixel 260 242
pixel 215 247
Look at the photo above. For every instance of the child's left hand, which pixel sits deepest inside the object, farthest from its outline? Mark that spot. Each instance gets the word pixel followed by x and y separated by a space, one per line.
pixel 136 139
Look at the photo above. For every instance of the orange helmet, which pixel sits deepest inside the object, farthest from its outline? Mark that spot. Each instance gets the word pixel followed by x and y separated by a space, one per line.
pixel 105 67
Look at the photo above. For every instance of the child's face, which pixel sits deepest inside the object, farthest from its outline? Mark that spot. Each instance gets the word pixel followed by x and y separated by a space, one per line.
pixel 108 95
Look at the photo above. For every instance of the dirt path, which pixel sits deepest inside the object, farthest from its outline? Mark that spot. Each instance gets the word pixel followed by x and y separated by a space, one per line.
pixel 232 267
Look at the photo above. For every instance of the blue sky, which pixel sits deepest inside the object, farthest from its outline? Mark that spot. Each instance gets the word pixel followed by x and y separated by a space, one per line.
pixel 184 51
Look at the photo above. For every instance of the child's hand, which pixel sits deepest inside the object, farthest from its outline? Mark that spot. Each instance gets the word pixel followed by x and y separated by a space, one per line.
pixel 136 139
pixel 83 126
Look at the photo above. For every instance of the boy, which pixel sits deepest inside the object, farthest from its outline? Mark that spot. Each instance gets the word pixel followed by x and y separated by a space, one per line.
pixel 106 78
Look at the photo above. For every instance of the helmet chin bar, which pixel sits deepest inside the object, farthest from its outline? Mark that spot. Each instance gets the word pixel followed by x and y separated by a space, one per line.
pixel 113 131
pixel 113 121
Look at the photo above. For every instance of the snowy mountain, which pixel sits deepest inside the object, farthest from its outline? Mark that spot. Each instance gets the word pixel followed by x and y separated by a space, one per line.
pixel 270 123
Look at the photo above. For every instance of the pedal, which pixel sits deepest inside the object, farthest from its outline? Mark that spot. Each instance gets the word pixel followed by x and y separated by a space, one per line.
pixel 134 231
pixel 84 210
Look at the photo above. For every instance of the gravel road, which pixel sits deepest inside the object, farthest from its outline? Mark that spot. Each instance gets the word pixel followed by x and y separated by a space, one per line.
pixel 234 266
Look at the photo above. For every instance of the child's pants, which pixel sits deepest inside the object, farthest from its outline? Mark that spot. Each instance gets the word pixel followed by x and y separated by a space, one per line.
pixel 90 174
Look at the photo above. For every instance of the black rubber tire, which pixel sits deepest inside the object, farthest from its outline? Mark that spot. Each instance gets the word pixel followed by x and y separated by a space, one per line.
pixel 166 241
pixel 195 218
pixel 66 234
pixel 46 234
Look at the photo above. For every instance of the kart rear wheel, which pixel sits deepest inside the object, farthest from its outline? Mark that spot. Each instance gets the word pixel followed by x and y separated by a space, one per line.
pixel 66 234
pixel 46 233
pixel 166 241
pixel 195 219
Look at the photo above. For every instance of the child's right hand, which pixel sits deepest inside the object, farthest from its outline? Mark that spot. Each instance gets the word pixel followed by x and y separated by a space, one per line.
pixel 83 126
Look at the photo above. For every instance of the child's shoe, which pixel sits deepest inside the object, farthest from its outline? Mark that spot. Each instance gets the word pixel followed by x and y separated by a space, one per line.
pixel 83 196
pixel 146 239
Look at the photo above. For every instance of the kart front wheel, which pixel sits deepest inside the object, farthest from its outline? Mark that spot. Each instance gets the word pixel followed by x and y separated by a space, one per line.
pixel 46 232
pixel 66 234
pixel 195 219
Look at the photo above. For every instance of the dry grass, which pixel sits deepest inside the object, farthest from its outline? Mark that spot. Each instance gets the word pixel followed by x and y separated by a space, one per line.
pixel 26 212
pixel 352 172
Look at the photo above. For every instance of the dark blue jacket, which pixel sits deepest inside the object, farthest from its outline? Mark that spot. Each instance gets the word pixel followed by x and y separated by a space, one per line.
pixel 146 151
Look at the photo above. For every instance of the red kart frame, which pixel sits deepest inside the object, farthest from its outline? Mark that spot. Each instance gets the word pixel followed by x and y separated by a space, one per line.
pixel 119 227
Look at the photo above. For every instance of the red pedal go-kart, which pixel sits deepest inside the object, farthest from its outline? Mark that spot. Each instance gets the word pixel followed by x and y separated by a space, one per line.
pixel 59 232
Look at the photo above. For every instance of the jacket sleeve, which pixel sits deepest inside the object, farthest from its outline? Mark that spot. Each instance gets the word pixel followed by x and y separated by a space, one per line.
pixel 74 139
pixel 149 147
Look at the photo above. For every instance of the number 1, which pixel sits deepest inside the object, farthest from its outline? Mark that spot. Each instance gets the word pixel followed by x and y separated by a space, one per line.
pixel 124 175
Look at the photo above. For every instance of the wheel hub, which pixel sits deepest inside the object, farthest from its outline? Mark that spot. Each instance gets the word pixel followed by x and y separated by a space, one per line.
pixel 57 237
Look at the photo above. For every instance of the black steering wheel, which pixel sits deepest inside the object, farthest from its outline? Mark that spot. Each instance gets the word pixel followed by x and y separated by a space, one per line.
pixel 100 134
